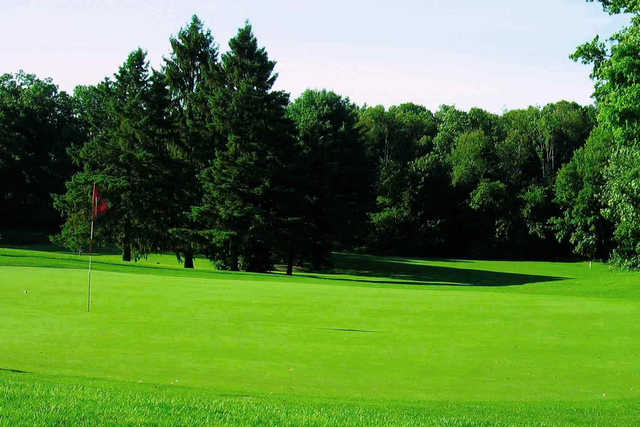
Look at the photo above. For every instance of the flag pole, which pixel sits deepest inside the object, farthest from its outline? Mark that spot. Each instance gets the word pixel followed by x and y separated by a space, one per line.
pixel 93 210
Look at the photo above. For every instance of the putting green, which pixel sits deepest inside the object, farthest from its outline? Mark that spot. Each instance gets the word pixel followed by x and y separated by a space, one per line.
pixel 397 331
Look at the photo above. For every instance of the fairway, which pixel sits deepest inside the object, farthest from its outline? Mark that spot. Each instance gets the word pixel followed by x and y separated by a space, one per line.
pixel 374 331
pixel 439 227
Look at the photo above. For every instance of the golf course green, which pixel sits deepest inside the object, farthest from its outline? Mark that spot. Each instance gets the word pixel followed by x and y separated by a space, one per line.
pixel 374 341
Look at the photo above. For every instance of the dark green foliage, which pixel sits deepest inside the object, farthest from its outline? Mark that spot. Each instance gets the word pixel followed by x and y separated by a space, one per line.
pixel 579 192
pixel 127 157
pixel 517 155
pixel 485 210
pixel 38 126
pixel 239 207
pixel 480 182
pixel 616 72
pixel 451 123
pixel 503 169
pixel 333 173
pixel 394 139
pixel 488 196
pixel 622 197
pixel 563 127
pixel 469 158
pixel 205 157
pixel 191 73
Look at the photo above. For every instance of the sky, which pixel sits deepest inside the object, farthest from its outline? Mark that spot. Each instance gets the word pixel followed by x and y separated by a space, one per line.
pixel 494 54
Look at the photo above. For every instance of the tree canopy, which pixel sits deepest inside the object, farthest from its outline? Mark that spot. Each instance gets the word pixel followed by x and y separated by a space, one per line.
pixel 205 156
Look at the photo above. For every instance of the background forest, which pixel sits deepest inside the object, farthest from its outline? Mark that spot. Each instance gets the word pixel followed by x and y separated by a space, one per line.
pixel 202 156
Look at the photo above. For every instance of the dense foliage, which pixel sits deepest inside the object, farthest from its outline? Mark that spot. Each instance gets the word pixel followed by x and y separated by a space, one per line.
pixel 242 201
pixel 127 157
pixel 616 72
pixel 204 156
pixel 38 127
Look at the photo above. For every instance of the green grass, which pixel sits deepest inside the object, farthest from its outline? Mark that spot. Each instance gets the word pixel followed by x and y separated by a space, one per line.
pixel 375 341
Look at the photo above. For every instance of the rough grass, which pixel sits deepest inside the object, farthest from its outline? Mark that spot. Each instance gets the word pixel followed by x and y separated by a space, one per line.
pixel 39 400
pixel 376 341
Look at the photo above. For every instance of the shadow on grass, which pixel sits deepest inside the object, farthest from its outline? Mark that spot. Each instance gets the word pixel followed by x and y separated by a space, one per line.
pixel 373 270
pixel 364 331
pixel 401 271
pixel 80 262
pixel 48 247
pixel 14 371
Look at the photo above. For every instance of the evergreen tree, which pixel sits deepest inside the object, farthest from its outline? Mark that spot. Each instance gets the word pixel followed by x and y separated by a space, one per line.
pixel 127 157
pixel 240 207
pixel 191 72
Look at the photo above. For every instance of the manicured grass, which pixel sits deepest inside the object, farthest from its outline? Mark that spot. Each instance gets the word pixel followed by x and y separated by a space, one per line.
pixel 376 341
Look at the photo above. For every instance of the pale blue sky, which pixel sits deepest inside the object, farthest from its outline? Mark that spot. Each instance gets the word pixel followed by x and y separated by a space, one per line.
pixel 495 54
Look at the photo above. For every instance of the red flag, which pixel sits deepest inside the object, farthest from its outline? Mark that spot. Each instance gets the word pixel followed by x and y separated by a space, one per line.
pixel 99 205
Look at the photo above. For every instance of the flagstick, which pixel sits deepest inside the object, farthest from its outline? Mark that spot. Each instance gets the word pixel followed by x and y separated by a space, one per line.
pixel 90 256
pixel 93 210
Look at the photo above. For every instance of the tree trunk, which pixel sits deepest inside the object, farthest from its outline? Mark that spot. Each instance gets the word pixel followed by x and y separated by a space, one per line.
pixel 290 259
pixel 188 260
pixel 126 244
pixel 235 263
pixel 234 257
pixel 126 252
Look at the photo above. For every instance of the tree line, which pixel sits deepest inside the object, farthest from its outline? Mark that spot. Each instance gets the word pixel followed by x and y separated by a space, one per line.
pixel 203 156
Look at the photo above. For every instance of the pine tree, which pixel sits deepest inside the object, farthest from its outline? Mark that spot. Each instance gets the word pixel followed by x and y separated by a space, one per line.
pixel 241 188
pixel 127 157
pixel 191 72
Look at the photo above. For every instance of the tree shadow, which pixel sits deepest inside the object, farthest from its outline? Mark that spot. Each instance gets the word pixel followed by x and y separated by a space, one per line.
pixel 14 371
pixel 399 271
pixel 81 262
pixel 373 271
pixel 48 247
